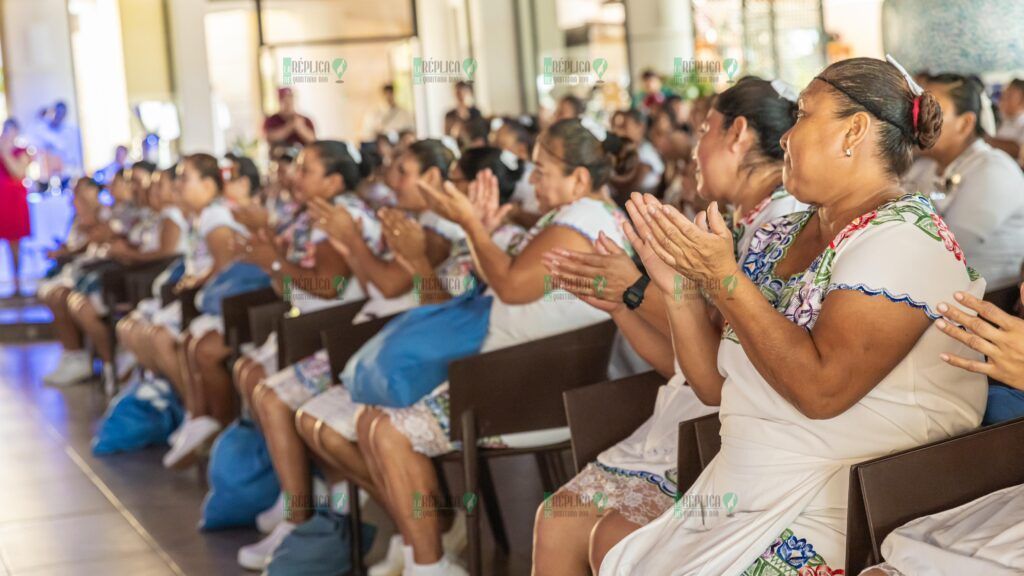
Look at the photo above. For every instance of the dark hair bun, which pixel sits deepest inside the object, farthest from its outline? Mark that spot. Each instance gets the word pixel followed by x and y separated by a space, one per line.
pixel 623 154
pixel 929 121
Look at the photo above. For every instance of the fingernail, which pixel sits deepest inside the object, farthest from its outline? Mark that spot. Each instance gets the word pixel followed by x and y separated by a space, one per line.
pixel 944 357
pixel 943 307
pixel 958 295
pixel 941 324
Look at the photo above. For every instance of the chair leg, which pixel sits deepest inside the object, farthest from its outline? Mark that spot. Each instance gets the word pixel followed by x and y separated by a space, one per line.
pixel 470 468
pixel 543 464
pixel 492 507
pixel 356 524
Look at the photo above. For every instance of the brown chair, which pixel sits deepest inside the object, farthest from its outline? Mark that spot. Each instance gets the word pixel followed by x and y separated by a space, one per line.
pixel 341 342
pixel 699 442
pixel 264 319
pixel 298 335
pixel 1006 299
pixel 603 414
pixel 887 492
pixel 235 311
pixel 517 389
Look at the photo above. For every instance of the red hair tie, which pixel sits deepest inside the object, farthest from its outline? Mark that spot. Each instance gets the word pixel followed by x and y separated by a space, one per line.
pixel 917 110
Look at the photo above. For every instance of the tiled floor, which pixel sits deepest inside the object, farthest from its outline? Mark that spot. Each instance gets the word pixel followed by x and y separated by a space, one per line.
pixel 65 512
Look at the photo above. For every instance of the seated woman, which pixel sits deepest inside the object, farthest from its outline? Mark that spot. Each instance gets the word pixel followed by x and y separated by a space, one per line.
pixel 111 228
pixel 977 189
pixel 572 166
pixel 358 236
pixel 739 162
pixel 971 539
pixel 211 248
pixel 488 176
pixel 161 233
pixel 74 364
pixel 829 356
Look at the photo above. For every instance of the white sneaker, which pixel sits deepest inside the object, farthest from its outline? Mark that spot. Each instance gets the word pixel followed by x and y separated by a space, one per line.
pixel 124 362
pixel 455 539
pixel 257 556
pixel 172 438
pixel 74 367
pixel 453 542
pixel 192 436
pixel 446 567
pixel 394 560
pixel 267 520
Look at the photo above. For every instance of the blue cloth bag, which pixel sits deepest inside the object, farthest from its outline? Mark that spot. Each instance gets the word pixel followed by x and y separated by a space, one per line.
pixel 143 414
pixel 237 278
pixel 319 547
pixel 409 357
pixel 241 477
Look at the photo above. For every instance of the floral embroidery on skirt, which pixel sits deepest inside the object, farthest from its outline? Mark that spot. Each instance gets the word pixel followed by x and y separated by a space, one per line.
pixel 791 556
pixel 427 425
pixel 639 497
pixel 301 381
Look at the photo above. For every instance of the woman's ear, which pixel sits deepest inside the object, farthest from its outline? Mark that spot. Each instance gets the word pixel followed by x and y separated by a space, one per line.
pixel 857 128
pixel 737 134
pixel 336 184
pixel 581 182
pixel 966 122
pixel 433 176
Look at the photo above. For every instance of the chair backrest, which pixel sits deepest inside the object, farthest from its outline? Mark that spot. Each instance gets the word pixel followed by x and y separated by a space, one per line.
pixel 139 279
pixel 890 491
pixel 602 414
pixel 265 319
pixel 235 310
pixel 299 335
pixel 189 311
pixel 342 341
pixel 518 389
pixel 1006 299
pixel 699 441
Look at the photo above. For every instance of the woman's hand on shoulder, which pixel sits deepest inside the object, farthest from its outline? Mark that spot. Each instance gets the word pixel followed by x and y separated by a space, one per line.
pixel 993 332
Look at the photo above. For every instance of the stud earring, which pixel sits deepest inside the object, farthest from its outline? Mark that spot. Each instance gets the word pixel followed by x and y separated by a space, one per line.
pixel 849 152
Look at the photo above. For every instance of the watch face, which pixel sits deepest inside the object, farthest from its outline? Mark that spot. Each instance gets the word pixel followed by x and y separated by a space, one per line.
pixel 632 298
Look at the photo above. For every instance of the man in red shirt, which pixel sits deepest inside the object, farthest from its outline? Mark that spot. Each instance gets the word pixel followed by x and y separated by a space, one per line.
pixel 288 128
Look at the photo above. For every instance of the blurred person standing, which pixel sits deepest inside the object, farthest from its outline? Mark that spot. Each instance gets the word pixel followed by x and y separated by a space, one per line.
pixel 288 128
pixel 1010 136
pixel 465 109
pixel 14 217
pixel 390 118
pixel 58 146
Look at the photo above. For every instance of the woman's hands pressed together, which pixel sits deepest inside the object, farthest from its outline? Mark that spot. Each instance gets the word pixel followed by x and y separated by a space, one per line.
pixel 993 332
pixel 484 195
pixel 449 203
pixel 336 222
pixel 598 278
pixel 702 251
pixel 405 237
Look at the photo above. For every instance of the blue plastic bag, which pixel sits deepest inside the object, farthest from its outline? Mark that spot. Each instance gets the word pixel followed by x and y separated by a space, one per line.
pixel 409 357
pixel 320 547
pixel 237 278
pixel 143 414
pixel 241 477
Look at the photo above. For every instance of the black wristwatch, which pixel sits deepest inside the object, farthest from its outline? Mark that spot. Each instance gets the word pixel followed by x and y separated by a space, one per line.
pixel 633 297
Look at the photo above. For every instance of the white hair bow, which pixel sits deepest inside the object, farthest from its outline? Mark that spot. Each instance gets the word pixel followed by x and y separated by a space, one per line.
pixel 785 90
pixel 914 86
pixel 510 160
pixel 451 145
pixel 988 117
pixel 354 153
pixel 594 128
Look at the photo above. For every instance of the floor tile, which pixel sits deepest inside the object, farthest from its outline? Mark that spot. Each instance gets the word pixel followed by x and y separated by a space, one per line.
pixel 41 543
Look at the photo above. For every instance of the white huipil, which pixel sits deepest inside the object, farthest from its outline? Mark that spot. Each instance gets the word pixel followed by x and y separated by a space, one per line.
pixel 784 473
